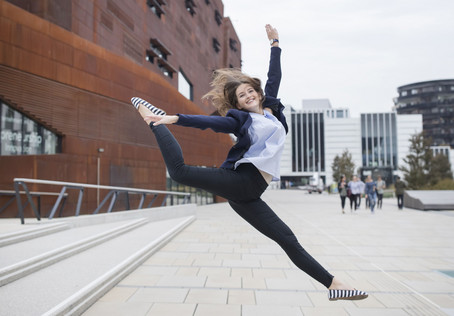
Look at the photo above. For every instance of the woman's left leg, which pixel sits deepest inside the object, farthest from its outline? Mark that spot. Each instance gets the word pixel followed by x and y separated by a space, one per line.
pixel 262 217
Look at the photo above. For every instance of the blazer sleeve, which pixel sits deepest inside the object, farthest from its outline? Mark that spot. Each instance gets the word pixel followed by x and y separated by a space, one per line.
pixel 274 73
pixel 219 124
pixel 272 87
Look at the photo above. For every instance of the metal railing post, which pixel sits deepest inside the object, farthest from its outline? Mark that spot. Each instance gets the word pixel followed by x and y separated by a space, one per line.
pixel 79 201
pixel 142 200
pixel 60 197
pixel 152 200
pixel 19 202
pixel 103 201
pixel 164 200
pixel 127 201
pixel 112 202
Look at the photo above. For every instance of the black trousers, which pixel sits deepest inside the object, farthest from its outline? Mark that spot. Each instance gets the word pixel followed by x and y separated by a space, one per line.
pixel 343 201
pixel 354 200
pixel 400 201
pixel 242 188
pixel 379 200
pixel 358 200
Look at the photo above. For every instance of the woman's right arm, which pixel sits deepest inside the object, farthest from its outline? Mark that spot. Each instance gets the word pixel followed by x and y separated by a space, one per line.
pixel 219 124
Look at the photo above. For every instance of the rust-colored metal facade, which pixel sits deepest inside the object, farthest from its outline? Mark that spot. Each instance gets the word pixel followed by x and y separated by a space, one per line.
pixel 73 65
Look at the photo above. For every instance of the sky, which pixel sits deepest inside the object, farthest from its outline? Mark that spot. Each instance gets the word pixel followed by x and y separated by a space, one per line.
pixel 356 53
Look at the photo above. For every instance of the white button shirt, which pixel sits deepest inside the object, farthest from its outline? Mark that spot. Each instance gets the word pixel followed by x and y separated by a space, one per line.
pixel 267 143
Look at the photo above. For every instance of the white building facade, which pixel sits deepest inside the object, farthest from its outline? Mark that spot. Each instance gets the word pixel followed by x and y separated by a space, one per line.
pixel 378 142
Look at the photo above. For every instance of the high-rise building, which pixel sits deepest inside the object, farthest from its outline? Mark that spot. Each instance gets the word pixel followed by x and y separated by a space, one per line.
pixel 435 101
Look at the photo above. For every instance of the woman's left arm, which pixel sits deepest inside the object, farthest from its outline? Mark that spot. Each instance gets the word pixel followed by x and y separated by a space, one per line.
pixel 274 70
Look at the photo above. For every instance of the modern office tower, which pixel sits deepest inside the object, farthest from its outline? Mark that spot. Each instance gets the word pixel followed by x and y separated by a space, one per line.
pixel 435 101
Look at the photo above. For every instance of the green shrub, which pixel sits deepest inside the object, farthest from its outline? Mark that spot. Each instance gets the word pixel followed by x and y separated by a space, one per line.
pixel 445 184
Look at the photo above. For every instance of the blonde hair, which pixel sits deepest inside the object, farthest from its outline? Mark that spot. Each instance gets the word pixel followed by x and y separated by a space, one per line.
pixel 224 84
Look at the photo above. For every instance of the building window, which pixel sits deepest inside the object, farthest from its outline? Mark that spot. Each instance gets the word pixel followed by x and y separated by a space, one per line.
pixel 428 89
pixel 21 135
pixel 218 17
pixel 166 69
pixel 339 113
pixel 185 86
pixel 308 147
pixel 232 44
pixel 379 140
pixel 157 54
pixel 156 6
pixel 216 45
pixel 190 5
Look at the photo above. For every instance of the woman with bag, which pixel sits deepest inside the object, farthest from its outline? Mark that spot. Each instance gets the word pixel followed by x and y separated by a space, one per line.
pixel 343 188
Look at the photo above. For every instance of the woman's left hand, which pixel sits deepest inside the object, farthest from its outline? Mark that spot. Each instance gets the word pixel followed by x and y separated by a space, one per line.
pixel 272 33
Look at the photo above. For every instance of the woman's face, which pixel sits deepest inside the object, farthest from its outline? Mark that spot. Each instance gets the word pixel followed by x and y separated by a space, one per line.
pixel 248 99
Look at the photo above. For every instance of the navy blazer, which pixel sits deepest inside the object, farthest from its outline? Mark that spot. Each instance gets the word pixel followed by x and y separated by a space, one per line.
pixel 238 122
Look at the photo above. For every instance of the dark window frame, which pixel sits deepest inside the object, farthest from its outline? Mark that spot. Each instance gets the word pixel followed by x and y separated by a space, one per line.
pixel 190 5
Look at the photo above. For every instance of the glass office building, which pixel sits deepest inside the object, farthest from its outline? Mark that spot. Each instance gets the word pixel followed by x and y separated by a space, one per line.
pixel 308 141
pixel 379 140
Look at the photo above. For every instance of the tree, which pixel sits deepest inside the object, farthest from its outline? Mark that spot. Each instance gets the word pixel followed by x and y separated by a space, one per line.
pixel 417 170
pixel 343 165
pixel 440 169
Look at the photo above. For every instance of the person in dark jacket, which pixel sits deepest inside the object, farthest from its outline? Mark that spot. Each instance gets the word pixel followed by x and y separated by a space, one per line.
pixel 400 189
pixel 256 118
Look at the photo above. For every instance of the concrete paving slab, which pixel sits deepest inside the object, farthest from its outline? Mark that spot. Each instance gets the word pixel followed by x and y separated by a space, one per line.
pixel 395 255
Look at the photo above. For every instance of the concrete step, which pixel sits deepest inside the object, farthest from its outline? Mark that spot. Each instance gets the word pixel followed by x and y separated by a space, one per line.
pixel 27 233
pixel 65 272
pixel 22 268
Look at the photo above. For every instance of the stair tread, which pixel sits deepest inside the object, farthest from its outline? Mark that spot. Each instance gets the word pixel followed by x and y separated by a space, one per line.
pixel 23 250
pixel 49 286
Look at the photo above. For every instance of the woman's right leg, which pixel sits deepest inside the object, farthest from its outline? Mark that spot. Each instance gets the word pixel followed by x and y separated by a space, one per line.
pixel 262 217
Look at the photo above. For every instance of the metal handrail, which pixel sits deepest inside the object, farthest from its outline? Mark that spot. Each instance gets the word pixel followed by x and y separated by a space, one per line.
pixel 113 194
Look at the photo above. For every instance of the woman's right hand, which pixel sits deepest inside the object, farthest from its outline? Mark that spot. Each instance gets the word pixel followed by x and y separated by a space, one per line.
pixel 162 119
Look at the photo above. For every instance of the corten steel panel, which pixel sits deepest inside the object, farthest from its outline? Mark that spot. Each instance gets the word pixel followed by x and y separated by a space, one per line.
pixel 81 91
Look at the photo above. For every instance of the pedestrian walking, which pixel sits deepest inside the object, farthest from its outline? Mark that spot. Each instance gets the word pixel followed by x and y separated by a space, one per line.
pixel 256 118
pixel 370 193
pixel 343 187
pixel 381 186
pixel 350 195
pixel 400 189
pixel 361 187
pixel 356 188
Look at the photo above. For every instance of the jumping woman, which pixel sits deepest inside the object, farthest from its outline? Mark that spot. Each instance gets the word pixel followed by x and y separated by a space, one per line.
pixel 256 118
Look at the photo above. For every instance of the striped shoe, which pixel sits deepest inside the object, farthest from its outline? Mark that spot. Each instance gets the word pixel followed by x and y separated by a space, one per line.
pixel 353 295
pixel 137 101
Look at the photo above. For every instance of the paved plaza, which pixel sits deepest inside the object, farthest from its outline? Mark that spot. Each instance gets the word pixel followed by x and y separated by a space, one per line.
pixel 219 265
